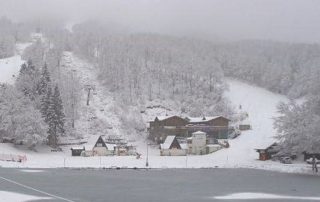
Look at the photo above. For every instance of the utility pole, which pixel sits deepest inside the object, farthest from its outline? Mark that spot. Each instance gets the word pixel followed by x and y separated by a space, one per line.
pixel 73 98
pixel 89 88
pixel 147 160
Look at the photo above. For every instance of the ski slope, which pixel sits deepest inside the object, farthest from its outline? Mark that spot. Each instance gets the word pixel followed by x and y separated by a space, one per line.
pixel 261 106
pixel 9 67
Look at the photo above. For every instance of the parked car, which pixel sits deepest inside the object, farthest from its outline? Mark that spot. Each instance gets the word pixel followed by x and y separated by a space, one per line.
pixel 234 134
pixel 58 149
pixel 309 161
pixel 278 156
pixel 286 160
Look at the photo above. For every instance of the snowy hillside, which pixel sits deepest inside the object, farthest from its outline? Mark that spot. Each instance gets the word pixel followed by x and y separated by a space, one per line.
pixel 9 67
pixel 104 116
pixel 260 105
pixel 101 112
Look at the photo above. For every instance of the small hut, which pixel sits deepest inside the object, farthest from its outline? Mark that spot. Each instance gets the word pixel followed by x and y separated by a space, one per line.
pixel 172 147
pixel 266 153
pixel 76 151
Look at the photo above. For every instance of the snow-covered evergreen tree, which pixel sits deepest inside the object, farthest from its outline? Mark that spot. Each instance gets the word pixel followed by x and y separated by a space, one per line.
pixel 20 119
pixel 56 118
pixel 45 104
pixel 28 79
pixel 44 81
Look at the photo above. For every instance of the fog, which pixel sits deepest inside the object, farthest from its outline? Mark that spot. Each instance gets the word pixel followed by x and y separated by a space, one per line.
pixel 280 20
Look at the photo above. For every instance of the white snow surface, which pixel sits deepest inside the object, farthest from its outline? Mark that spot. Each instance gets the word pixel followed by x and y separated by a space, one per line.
pixel 9 67
pixel 17 197
pixel 251 196
pixel 31 171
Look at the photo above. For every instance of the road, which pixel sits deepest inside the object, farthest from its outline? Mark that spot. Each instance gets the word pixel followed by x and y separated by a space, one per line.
pixel 156 185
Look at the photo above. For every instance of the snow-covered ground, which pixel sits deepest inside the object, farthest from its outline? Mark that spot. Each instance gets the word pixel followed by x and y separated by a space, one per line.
pixel 258 102
pixel 101 111
pixel 264 196
pixel 17 197
pixel 9 67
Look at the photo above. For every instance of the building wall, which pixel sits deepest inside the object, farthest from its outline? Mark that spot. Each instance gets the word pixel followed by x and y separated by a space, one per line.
pixel 219 122
pixel 101 151
pixel 199 142
pixel 159 130
pixel 173 152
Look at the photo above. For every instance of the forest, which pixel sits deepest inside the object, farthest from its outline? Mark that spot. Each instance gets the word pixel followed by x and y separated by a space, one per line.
pixel 185 74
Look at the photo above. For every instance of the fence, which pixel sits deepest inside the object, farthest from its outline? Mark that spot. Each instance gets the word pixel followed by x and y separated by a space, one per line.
pixel 13 157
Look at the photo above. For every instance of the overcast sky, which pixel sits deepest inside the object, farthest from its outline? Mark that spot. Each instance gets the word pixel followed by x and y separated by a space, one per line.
pixel 281 20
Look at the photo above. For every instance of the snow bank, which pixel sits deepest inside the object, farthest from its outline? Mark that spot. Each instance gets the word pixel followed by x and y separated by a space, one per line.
pixel 251 196
pixel 17 197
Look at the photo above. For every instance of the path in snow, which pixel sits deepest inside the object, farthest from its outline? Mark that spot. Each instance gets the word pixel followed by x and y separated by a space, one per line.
pixel 261 107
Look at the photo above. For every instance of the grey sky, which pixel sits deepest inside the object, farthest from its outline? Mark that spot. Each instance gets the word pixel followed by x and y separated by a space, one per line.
pixel 282 20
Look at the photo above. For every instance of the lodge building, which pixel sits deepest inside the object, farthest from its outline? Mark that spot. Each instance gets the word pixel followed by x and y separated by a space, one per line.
pixel 216 127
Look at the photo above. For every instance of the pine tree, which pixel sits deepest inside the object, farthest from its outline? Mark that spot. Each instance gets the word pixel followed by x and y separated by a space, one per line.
pixel 44 81
pixel 45 103
pixel 55 117
pixel 28 79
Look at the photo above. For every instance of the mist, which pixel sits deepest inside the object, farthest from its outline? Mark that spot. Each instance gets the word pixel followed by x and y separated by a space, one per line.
pixel 286 20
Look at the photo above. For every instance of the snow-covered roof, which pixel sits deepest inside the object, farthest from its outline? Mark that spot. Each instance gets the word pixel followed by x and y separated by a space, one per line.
pixel 111 146
pixel 167 143
pixel 77 147
pixel 184 146
pixel 161 118
pixel 91 141
pixel 202 119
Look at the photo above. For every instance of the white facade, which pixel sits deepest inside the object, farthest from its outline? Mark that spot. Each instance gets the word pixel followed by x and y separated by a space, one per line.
pixel 199 142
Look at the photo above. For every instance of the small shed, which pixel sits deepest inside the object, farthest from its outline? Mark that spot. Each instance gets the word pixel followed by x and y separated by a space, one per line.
pixel 244 127
pixel 76 151
pixel 172 147
pixel 266 153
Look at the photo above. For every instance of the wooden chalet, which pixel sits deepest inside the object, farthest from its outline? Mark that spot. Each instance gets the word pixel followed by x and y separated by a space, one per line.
pixel 266 153
pixel 165 126
pixel 98 147
pixel 172 147
pixel 216 127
